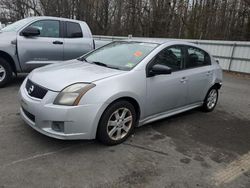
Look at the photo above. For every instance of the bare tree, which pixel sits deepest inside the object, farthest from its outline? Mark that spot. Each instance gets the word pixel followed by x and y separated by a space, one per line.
pixel 201 19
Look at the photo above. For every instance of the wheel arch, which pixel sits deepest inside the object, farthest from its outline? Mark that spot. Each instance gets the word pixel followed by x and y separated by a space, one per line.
pixel 204 107
pixel 8 58
pixel 130 99
pixel 217 86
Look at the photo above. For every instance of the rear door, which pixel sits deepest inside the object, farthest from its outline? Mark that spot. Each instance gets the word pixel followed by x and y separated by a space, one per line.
pixel 199 73
pixel 37 51
pixel 76 41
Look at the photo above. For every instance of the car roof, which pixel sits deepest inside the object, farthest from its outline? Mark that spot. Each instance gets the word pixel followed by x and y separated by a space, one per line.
pixel 54 18
pixel 159 41
pixel 162 41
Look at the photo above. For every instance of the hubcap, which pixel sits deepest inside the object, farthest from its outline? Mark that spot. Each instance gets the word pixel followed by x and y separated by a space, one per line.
pixel 2 73
pixel 119 124
pixel 212 99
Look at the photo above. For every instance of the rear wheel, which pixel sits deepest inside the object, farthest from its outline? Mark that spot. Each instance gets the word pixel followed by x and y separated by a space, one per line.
pixel 5 72
pixel 117 123
pixel 210 100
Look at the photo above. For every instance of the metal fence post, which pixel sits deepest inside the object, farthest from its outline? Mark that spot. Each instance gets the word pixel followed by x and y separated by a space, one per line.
pixel 231 57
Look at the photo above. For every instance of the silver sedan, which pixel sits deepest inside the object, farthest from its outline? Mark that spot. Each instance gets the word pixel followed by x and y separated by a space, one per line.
pixel 106 93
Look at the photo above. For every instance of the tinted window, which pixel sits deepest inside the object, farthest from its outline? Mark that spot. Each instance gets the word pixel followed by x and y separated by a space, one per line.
pixel 48 28
pixel 123 55
pixel 74 30
pixel 171 57
pixel 197 57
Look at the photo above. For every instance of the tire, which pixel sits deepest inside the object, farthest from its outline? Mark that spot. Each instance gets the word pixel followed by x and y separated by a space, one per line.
pixel 5 72
pixel 117 123
pixel 210 100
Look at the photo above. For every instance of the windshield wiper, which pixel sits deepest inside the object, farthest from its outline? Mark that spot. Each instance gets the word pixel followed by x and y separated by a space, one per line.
pixel 99 63
pixel 94 62
pixel 83 59
pixel 105 65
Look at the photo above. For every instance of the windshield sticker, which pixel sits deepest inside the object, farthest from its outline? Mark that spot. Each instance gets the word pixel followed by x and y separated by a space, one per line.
pixel 130 65
pixel 138 54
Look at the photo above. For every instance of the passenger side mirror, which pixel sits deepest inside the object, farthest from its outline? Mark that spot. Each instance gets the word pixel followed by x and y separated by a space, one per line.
pixel 31 32
pixel 159 69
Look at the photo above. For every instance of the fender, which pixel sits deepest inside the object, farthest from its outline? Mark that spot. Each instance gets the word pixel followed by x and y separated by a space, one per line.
pixel 110 101
pixel 8 50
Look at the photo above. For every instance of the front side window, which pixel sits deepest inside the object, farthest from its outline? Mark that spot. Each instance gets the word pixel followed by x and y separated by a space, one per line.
pixel 122 55
pixel 171 57
pixel 197 57
pixel 48 28
pixel 74 30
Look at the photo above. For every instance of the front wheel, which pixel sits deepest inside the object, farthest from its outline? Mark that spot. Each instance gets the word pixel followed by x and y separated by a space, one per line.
pixel 117 123
pixel 210 100
pixel 5 72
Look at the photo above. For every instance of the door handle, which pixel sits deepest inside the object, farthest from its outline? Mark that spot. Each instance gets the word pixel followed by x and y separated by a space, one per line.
pixel 184 79
pixel 58 42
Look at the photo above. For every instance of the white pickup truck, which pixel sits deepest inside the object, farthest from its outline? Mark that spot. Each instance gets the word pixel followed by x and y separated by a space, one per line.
pixel 37 41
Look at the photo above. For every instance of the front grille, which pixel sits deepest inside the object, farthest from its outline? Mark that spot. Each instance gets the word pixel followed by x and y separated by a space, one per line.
pixel 29 115
pixel 35 90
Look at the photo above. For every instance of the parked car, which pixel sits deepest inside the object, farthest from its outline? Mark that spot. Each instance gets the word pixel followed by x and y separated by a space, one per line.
pixel 109 91
pixel 37 41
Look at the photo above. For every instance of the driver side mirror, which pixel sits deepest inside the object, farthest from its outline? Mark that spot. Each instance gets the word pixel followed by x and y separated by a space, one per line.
pixel 31 32
pixel 159 69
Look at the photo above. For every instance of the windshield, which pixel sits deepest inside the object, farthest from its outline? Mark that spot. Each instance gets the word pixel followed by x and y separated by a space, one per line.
pixel 16 25
pixel 121 55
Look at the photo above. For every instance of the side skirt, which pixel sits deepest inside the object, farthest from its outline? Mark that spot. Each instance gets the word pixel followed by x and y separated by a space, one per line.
pixel 163 115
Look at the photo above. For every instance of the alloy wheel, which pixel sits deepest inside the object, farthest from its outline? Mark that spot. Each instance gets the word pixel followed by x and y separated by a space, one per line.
pixel 212 98
pixel 119 123
pixel 2 73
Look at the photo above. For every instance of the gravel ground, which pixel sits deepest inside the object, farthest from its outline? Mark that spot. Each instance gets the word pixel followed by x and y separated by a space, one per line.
pixel 193 149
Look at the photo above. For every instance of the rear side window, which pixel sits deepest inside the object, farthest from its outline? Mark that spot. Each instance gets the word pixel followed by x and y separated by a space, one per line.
pixel 74 30
pixel 197 57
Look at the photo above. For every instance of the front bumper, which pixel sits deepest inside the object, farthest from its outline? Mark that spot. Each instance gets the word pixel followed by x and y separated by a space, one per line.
pixel 76 122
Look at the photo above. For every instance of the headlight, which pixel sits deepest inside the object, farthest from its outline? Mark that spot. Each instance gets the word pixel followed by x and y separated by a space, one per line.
pixel 71 95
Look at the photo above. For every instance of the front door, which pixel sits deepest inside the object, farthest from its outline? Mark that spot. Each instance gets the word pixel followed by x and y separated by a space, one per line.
pixel 37 51
pixel 167 92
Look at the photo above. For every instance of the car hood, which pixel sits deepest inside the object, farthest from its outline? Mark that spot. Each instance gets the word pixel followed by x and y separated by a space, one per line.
pixel 58 76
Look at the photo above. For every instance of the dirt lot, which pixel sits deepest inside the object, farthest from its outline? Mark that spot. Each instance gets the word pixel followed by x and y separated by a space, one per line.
pixel 194 149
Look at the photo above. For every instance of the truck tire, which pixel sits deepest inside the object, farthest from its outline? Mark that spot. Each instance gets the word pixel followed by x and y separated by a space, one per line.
pixel 5 72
